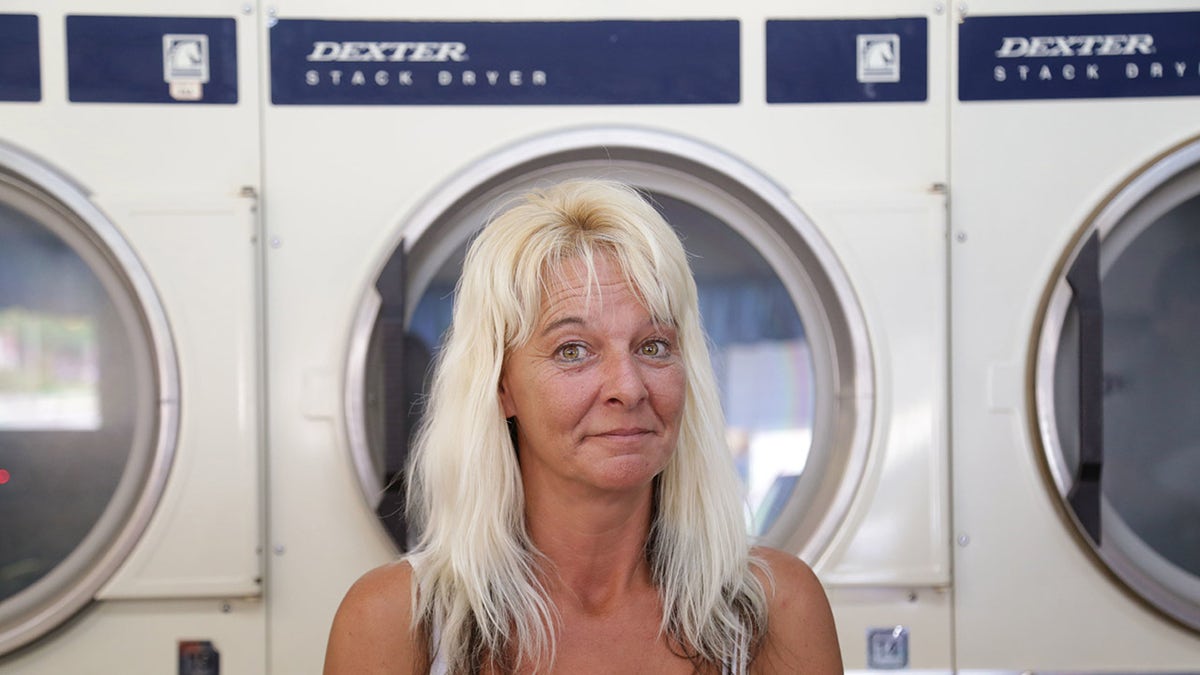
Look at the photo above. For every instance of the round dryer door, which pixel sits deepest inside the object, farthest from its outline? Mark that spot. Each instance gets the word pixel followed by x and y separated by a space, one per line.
pixel 87 400
pixel 1118 384
pixel 786 338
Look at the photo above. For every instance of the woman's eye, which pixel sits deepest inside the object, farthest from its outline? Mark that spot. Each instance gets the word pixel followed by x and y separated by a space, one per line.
pixel 654 348
pixel 571 352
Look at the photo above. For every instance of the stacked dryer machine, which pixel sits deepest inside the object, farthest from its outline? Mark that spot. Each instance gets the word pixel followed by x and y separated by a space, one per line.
pixel 1075 314
pixel 799 148
pixel 130 496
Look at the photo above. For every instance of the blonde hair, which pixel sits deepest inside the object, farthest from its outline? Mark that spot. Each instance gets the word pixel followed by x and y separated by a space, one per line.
pixel 476 586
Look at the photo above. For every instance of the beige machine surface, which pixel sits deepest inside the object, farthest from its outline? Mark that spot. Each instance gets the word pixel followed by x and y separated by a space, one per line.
pixel 193 198
pixel 379 161
pixel 1074 195
pixel 130 399
pixel 808 177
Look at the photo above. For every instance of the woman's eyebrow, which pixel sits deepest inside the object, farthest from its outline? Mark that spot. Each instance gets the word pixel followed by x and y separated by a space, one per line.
pixel 559 323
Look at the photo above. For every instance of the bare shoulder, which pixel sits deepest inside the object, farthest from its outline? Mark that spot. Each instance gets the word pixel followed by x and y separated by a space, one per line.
pixel 801 636
pixel 372 631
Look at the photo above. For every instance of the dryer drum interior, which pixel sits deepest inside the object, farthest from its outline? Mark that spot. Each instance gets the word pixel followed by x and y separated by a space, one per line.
pixel 786 338
pixel 1117 384
pixel 87 399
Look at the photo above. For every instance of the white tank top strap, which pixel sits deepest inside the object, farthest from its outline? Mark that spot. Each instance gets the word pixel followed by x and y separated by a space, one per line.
pixel 437 660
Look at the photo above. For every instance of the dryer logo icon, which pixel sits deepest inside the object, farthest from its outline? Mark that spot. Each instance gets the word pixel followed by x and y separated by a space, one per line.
pixel 185 65
pixel 879 58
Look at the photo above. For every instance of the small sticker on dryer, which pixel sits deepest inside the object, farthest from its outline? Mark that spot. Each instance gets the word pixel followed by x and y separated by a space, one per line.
pixel 887 648
pixel 185 65
pixel 879 58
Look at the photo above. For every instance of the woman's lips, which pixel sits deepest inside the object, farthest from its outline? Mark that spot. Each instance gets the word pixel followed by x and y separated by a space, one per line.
pixel 623 433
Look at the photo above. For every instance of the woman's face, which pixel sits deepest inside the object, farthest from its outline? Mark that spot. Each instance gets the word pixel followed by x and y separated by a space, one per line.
pixel 598 390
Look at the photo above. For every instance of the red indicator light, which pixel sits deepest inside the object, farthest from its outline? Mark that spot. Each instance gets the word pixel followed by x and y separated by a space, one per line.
pixel 4 476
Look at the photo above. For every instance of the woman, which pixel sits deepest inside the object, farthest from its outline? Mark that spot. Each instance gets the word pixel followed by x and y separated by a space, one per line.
pixel 579 507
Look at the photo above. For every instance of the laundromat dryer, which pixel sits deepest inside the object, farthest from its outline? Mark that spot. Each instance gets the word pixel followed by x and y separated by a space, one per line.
pixel 800 150
pixel 1075 314
pixel 130 365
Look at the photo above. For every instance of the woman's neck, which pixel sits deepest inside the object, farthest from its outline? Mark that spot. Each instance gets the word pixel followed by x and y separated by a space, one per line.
pixel 596 547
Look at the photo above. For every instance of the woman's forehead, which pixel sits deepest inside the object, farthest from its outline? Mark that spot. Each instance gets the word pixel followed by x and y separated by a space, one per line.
pixel 575 276
pixel 576 289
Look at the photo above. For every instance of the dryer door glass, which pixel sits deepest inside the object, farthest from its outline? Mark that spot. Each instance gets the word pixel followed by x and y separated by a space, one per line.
pixel 1144 520
pixel 796 399
pixel 1151 295
pixel 78 411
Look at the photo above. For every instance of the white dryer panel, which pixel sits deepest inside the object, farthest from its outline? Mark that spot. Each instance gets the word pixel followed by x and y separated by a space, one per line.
pixel 178 183
pixel 1030 180
pixel 89 390
pixel 345 181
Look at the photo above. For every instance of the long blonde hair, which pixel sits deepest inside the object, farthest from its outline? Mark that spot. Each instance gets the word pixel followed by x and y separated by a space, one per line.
pixel 475 568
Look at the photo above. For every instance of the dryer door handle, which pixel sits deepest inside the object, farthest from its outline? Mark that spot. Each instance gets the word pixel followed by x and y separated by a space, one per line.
pixel 1084 278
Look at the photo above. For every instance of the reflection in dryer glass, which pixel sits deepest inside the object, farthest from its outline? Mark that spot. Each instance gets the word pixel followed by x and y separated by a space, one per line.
pixel 66 400
pixel 1151 295
pixel 757 344
pixel 48 371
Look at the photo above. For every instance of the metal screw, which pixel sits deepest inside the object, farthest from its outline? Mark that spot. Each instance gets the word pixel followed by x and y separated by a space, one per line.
pixel 247 8
pixel 226 608
pixel 938 8
pixel 912 596
pixel 962 8
pixel 279 549
pixel 276 242
pixel 272 17
pixel 963 540
pixel 961 237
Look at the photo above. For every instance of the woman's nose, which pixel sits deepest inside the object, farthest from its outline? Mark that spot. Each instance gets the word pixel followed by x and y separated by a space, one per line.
pixel 624 381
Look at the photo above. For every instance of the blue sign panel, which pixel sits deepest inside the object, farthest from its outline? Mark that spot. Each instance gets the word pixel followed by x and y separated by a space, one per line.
pixel 143 59
pixel 20 59
pixel 505 63
pixel 1079 56
pixel 847 60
